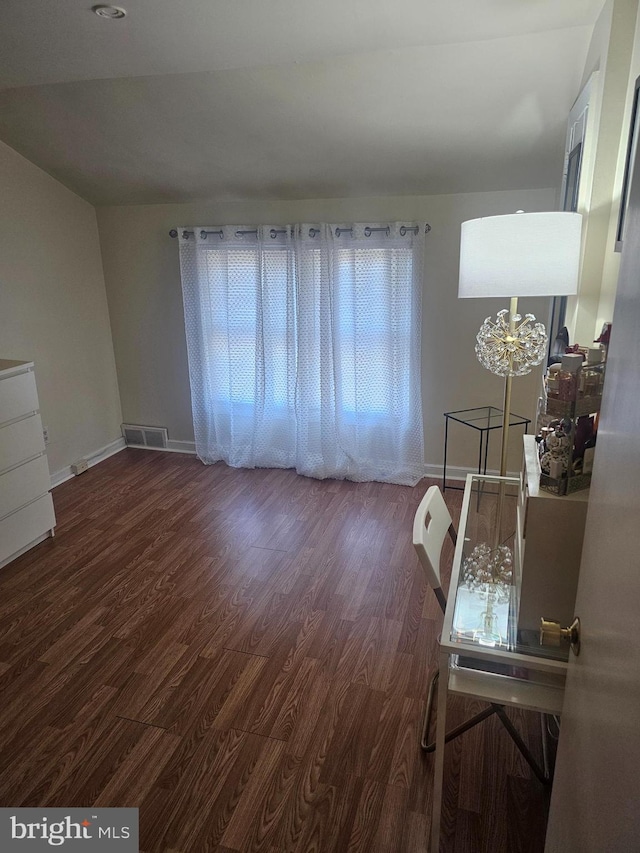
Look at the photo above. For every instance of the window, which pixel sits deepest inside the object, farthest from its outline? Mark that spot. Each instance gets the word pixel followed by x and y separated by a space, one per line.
pixel 247 295
pixel 373 307
pixel 305 351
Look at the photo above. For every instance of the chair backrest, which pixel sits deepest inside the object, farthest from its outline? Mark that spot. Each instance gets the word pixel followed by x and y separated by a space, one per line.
pixel 431 525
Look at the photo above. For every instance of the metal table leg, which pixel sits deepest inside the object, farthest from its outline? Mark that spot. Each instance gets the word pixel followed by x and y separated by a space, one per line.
pixel 438 773
pixel 444 467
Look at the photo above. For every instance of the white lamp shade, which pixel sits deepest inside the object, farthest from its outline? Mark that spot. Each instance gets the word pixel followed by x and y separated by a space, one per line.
pixel 520 254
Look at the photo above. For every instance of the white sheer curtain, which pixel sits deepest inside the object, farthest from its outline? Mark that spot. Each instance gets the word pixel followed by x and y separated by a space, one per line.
pixel 304 347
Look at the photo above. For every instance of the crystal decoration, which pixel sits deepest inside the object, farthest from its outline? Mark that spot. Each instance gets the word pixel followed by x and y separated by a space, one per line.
pixel 511 353
pixel 485 565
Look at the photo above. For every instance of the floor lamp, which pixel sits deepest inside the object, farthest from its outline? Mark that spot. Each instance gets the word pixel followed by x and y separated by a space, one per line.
pixel 519 254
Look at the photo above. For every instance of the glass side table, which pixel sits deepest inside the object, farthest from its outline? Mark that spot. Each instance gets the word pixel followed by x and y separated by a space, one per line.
pixel 482 655
pixel 483 419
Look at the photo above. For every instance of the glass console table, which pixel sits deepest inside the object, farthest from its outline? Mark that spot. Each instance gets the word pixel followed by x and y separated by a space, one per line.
pixel 483 419
pixel 482 654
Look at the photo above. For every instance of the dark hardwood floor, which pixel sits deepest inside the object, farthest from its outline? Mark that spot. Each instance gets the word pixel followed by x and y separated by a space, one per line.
pixel 244 655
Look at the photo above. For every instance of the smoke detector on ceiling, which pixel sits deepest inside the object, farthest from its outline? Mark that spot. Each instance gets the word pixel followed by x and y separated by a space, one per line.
pixel 111 12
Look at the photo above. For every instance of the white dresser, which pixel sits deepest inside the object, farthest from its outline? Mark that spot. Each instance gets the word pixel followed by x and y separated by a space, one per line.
pixel 26 507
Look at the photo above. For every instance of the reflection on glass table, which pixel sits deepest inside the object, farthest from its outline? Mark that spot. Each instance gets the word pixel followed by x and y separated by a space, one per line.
pixel 482 615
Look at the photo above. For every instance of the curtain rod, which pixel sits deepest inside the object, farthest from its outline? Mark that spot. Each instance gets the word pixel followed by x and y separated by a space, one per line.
pixel 368 231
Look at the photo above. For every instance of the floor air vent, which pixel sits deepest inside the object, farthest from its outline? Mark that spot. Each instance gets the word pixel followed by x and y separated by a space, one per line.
pixel 144 436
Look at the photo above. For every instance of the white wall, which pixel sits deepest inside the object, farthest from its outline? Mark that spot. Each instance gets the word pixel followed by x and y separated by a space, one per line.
pixel 143 286
pixel 53 308
pixel 610 54
pixel 612 258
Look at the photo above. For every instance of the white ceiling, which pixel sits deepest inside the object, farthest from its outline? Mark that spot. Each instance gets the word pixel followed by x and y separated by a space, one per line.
pixel 289 98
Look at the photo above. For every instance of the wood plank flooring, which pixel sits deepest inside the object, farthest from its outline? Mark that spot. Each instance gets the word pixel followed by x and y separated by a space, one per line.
pixel 244 655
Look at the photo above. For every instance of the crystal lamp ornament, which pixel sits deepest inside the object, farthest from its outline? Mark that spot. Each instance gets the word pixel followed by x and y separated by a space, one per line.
pixel 486 565
pixel 508 351
pixel 489 571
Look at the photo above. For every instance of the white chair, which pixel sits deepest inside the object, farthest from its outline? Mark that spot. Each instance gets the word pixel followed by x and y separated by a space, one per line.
pixel 431 525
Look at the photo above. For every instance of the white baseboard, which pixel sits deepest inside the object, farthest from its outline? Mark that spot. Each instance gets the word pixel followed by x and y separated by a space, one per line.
pixel 92 458
pixel 173 447
pixel 454 472
pixel 182 447
pixel 457 472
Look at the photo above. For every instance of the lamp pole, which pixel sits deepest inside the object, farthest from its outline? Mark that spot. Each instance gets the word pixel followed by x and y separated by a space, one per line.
pixel 513 310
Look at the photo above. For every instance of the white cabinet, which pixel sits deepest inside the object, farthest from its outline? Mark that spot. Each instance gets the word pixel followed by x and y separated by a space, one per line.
pixel 26 507
pixel 549 539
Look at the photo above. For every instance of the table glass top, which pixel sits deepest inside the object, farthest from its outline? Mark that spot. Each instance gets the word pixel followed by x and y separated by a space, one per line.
pixel 485 417
pixel 487 578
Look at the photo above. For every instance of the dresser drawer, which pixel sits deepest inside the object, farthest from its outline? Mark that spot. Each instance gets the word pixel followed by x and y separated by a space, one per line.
pixel 24 484
pixel 19 529
pixel 18 396
pixel 20 440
